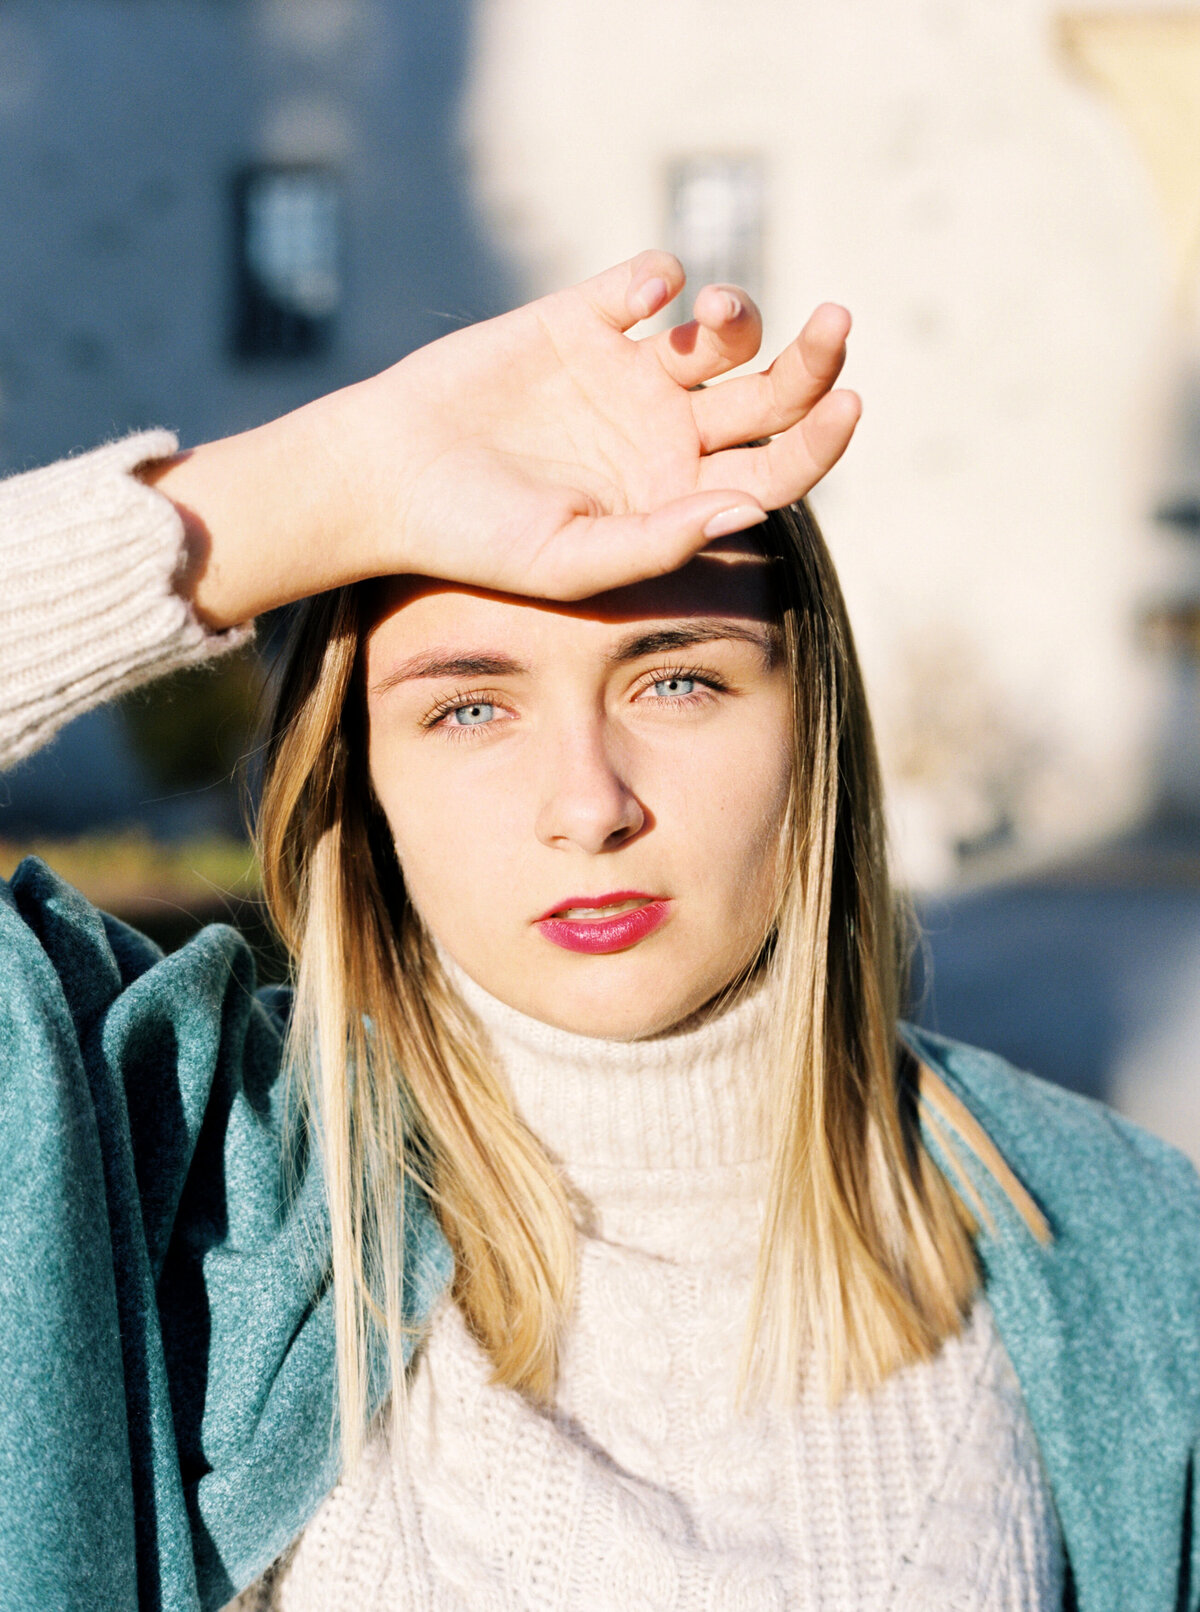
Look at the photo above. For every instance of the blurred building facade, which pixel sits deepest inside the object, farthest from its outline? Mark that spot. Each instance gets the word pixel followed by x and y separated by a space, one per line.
pixel 218 208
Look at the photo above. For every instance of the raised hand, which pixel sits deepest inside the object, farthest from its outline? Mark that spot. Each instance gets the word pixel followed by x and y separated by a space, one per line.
pixel 547 452
pixel 555 455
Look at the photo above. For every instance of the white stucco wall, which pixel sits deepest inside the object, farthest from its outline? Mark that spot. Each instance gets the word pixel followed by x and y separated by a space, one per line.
pixel 935 167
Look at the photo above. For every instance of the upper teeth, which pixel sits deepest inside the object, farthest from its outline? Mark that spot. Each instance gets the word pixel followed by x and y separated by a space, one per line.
pixel 599 912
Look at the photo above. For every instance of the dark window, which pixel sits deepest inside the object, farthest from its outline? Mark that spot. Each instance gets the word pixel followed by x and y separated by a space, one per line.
pixel 289 256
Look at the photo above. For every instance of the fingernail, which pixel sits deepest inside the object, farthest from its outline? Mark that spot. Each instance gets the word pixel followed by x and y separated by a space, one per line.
pixel 736 519
pixel 733 306
pixel 649 298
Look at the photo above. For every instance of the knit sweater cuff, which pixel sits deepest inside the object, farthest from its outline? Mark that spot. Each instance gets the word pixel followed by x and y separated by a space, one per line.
pixel 89 555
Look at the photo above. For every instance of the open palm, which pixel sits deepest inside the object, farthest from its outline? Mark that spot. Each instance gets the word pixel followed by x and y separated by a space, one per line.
pixel 549 453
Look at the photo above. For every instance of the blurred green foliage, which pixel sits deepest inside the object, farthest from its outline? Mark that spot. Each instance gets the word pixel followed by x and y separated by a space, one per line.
pixel 129 870
pixel 168 891
pixel 194 733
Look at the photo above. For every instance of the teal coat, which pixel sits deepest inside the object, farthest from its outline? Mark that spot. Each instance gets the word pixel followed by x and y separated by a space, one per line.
pixel 167 1347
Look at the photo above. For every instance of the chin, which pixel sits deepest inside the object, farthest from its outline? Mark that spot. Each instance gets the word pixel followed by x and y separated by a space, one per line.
pixel 622 996
pixel 627 1022
pixel 624 1003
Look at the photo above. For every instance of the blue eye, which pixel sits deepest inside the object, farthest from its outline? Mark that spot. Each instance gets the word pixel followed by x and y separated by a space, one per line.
pixel 676 687
pixel 472 716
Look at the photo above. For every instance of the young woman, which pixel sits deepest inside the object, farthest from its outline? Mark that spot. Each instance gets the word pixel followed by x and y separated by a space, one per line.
pixel 582 1231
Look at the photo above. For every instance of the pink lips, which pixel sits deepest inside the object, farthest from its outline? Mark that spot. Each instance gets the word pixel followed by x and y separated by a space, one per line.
pixel 596 935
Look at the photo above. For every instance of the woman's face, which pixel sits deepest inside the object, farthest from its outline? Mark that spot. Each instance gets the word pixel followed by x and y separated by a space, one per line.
pixel 587 798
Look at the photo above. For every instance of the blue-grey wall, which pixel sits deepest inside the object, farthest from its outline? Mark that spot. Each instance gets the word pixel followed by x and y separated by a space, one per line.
pixel 122 123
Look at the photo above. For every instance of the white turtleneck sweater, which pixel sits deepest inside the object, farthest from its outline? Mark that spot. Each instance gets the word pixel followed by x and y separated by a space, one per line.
pixel 645 1489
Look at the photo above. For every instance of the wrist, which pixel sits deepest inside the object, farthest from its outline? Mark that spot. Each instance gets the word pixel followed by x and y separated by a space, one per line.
pixel 266 516
pixel 366 434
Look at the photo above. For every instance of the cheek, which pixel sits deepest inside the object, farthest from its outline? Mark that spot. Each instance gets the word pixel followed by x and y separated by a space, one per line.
pixel 452 841
pixel 744 792
pixel 755 809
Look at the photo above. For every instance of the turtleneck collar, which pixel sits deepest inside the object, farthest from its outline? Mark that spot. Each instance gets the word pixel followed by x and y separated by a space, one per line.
pixel 687 1099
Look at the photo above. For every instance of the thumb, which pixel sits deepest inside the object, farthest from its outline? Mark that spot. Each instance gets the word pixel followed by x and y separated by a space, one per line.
pixel 596 552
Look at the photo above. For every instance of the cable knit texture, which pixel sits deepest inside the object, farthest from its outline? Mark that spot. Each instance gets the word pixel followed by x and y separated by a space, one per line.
pixel 645 1489
pixel 88 609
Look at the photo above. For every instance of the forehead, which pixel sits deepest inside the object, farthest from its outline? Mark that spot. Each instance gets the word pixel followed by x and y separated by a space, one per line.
pixel 731 580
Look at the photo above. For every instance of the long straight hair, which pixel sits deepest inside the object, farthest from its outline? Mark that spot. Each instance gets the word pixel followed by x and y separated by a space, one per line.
pixel 866 1261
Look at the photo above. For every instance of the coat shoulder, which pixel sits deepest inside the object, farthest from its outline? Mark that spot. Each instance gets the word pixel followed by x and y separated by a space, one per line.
pixel 1100 1179
pixel 1102 1323
pixel 1044 1116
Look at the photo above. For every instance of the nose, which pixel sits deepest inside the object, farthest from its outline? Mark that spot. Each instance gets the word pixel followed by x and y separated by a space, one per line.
pixel 587 802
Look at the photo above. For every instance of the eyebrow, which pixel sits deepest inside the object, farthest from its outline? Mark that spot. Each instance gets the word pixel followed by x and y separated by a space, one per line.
pixel 435 663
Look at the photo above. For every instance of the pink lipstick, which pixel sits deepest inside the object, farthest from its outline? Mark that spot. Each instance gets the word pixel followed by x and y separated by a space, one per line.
pixel 582 923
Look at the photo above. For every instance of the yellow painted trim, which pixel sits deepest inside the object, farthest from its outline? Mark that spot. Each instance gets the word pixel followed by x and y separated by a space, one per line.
pixel 953 1112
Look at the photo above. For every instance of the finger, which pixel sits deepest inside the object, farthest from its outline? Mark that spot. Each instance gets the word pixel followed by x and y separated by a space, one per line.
pixel 792 463
pixel 725 332
pixel 762 405
pixel 591 554
pixel 633 290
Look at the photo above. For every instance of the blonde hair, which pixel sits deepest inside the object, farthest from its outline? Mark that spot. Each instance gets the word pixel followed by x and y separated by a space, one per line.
pixel 866 1262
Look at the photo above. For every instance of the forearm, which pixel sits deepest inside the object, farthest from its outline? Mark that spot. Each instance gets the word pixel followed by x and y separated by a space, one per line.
pixel 539 453
pixel 88 602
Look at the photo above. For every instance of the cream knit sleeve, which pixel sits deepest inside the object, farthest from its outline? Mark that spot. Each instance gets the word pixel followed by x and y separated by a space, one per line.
pixel 88 609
